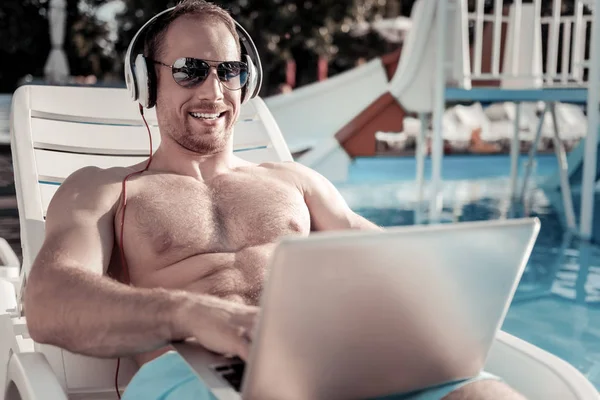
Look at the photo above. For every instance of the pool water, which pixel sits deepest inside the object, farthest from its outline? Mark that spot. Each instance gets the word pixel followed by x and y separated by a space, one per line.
pixel 557 303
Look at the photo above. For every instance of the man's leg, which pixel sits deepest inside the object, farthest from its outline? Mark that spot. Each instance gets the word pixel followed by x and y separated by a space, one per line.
pixel 484 390
pixel 484 386
pixel 167 377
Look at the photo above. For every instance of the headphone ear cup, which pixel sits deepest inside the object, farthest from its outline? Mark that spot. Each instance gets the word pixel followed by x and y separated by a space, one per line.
pixel 142 81
pixel 152 85
pixel 252 78
pixel 130 81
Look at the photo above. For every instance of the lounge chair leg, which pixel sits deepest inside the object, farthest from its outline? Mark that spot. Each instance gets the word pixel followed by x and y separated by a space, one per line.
pixel 515 148
pixel 420 159
pixel 563 170
pixel 533 151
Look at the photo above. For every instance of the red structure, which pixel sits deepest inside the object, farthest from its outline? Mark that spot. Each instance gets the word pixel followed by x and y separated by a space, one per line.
pixel 384 114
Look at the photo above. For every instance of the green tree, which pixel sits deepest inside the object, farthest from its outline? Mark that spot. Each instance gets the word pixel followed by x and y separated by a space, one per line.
pixel 25 41
pixel 87 45
pixel 281 29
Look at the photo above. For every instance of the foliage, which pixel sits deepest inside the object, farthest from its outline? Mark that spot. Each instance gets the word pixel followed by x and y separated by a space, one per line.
pixel 25 43
pixel 303 30
pixel 26 40
pixel 281 29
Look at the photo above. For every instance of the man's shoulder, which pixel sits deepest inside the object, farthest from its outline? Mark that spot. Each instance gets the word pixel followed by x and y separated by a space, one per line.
pixel 286 166
pixel 90 187
pixel 95 178
pixel 304 177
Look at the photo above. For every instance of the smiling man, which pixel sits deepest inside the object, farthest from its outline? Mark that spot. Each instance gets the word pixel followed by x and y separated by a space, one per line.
pixel 186 258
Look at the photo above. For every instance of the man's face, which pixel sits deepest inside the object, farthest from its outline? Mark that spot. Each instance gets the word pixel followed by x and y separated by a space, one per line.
pixel 177 107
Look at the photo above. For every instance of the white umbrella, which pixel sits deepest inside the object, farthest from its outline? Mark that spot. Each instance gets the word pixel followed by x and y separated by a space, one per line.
pixel 57 66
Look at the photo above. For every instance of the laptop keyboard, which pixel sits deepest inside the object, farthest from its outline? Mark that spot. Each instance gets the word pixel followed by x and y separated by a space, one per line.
pixel 232 372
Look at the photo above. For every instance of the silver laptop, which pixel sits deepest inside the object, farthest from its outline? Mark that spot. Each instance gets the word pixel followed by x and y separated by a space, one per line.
pixel 357 315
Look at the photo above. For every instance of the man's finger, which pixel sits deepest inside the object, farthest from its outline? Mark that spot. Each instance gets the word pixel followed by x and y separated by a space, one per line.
pixel 243 348
pixel 246 318
pixel 253 329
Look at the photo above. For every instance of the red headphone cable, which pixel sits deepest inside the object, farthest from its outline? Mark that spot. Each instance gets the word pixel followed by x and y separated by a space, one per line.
pixel 122 251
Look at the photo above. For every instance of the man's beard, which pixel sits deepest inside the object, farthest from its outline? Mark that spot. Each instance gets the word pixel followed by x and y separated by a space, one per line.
pixel 202 144
pixel 199 142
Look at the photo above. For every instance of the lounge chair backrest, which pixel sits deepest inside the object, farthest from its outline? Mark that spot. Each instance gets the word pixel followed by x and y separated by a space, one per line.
pixel 58 130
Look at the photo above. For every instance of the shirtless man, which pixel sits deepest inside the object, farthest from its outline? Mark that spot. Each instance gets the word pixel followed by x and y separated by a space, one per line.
pixel 200 226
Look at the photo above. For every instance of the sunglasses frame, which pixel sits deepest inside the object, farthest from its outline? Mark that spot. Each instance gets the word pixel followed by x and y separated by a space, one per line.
pixel 211 64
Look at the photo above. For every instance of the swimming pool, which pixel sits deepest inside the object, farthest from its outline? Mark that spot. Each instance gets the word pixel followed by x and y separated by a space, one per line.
pixel 557 303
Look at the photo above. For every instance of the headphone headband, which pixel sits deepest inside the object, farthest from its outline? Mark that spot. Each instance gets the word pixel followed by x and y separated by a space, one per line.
pixel 132 80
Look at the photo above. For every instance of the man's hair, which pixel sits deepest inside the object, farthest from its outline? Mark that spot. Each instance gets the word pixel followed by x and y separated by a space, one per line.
pixel 153 40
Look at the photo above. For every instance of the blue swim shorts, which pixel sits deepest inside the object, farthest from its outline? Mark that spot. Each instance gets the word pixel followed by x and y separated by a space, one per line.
pixel 169 377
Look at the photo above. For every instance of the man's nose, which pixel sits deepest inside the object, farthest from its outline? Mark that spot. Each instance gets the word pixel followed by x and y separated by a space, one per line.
pixel 211 88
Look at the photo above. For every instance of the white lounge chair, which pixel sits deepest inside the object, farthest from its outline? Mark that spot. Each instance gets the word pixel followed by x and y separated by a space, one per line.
pixel 56 130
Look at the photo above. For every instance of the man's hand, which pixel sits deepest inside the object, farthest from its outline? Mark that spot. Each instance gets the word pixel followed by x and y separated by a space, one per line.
pixel 221 326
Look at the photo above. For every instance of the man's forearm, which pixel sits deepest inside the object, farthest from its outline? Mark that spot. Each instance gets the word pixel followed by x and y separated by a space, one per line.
pixel 92 315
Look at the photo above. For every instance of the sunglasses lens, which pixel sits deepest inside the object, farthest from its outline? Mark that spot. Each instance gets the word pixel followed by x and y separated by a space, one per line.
pixel 188 72
pixel 233 74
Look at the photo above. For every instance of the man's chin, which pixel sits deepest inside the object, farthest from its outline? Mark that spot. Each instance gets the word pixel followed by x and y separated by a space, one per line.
pixel 200 131
pixel 207 147
pixel 204 141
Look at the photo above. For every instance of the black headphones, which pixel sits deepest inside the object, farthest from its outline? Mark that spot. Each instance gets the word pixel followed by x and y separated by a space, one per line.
pixel 141 80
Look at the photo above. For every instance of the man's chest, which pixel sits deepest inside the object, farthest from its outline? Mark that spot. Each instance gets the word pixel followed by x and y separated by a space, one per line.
pixel 186 216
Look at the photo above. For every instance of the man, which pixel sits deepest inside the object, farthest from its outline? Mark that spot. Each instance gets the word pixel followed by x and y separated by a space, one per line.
pixel 199 228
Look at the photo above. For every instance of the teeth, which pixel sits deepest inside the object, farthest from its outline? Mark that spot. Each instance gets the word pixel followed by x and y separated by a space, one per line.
pixel 205 116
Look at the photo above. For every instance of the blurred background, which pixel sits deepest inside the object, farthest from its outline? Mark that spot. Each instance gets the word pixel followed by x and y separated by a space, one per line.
pixel 299 41
pixel 307 39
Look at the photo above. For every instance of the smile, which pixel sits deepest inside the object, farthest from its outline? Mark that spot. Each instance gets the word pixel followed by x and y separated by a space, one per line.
pixel 207 115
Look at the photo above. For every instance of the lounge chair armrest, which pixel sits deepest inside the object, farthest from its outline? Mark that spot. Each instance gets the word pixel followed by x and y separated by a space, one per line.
pixel 10 267
pixel 535 372
pixel 8 297
pixel 30 377
pixel 8 257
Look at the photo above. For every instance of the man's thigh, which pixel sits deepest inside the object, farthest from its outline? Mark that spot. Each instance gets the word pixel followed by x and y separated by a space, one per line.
pixel 485 390
pixel 168 377
pixel 450 391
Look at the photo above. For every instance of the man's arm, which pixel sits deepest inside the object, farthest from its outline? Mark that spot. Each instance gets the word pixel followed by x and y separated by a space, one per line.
pixel 328 209
pixel 70 303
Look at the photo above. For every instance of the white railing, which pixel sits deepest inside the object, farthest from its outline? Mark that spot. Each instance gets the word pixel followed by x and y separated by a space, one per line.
pixel 569 47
